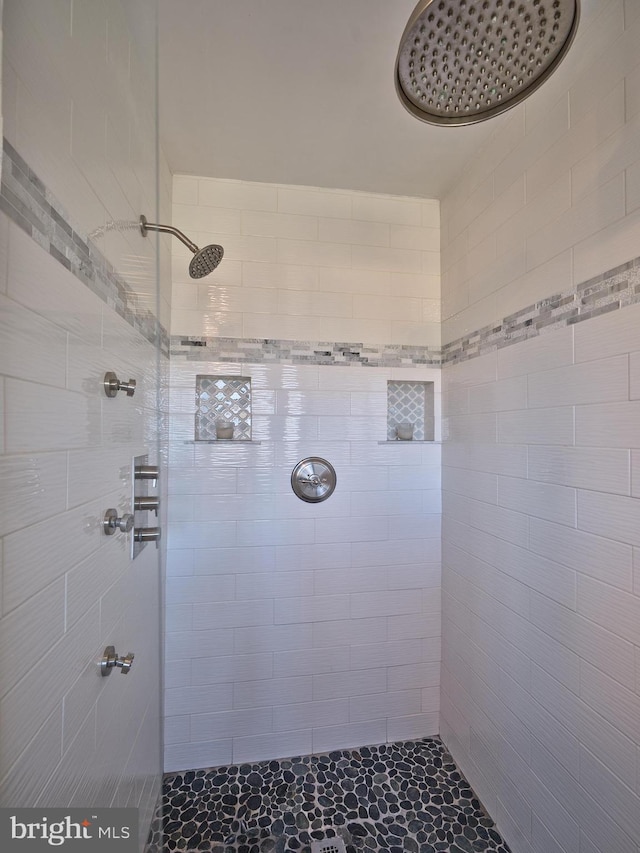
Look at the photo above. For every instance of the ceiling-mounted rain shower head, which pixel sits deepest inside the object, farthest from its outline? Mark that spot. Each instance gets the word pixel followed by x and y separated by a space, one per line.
pixel 463 61
pixel 204 260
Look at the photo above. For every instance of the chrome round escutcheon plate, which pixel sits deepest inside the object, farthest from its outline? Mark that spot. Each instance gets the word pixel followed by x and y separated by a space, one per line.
pixel 313 479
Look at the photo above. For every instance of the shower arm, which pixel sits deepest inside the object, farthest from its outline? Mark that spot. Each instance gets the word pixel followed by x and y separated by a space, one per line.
pixel 166 229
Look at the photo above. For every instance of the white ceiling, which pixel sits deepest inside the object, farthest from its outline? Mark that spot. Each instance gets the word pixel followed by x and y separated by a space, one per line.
pixel 298 92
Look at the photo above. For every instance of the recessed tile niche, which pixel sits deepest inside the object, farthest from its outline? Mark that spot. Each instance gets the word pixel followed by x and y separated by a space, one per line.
pixel 223 397
pixel 413 403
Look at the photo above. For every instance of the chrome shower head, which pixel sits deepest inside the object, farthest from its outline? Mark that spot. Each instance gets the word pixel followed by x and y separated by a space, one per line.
pixel 204 260
pixel 464 61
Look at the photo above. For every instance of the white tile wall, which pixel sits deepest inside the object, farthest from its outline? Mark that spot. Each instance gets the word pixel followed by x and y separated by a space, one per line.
pixel 556 722
pixel 540 609
pixel 333 608
pixel 54 550
pixel 539 522
pixel 331 264
pixel 555 193
pixel 80 113
pixel 599 469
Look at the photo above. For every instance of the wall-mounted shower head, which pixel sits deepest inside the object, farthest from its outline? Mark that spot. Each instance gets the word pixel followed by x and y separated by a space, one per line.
pixel 204 260
pixel 463 61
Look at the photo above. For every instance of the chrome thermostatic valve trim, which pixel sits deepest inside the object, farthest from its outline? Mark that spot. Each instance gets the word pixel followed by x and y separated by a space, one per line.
pixel 313 479
pixel 144 475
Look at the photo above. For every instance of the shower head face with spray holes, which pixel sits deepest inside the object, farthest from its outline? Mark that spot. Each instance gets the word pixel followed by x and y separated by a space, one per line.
pixel 205 260
pixel 464 61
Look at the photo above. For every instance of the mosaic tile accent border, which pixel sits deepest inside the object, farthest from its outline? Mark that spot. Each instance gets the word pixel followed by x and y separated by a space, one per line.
pixel 256 350
pixel 608 292
pixel 27 202
pixel 406 796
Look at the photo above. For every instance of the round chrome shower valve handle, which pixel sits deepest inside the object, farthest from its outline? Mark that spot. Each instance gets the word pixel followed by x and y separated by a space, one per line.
pixel 463 61
pixel 112 385
pixel 112 522
pixel 313 479
pixel 110 660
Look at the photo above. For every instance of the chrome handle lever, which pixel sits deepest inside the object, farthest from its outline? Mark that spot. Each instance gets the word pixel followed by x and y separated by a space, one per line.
pixel 125 662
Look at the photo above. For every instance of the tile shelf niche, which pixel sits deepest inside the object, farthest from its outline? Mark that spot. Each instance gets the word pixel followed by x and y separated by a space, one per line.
pixel 413 403
pixel 223 397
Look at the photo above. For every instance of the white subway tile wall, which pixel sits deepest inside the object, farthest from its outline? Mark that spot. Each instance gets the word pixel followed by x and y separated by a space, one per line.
pixel 308 264
pixel 291 627
pixel 540 690
pixel 312 624
pixel 68 591
pixel 549 199
pixel 80 113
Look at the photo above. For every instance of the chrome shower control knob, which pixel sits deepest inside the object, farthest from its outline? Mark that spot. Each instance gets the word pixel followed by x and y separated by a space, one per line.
pixel 146 472
pixel 313 479
pixel 146 534
pixel 112 522
pixel 112 385
pixel 110 660
pixel 146 503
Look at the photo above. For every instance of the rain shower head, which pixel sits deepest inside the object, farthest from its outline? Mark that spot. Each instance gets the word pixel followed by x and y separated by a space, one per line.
pixel 464 61
pixel 204 260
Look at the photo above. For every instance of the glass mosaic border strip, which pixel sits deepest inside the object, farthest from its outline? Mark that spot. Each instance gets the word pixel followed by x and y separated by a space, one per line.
pixel 29 203
pixel 602 294
pixel 267 351
pixel 617 288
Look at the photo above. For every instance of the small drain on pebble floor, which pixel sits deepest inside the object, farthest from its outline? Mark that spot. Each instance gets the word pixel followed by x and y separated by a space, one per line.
pixel 329 845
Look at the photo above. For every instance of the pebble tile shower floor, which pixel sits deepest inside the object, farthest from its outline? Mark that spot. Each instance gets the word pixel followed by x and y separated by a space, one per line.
pixel 399 797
